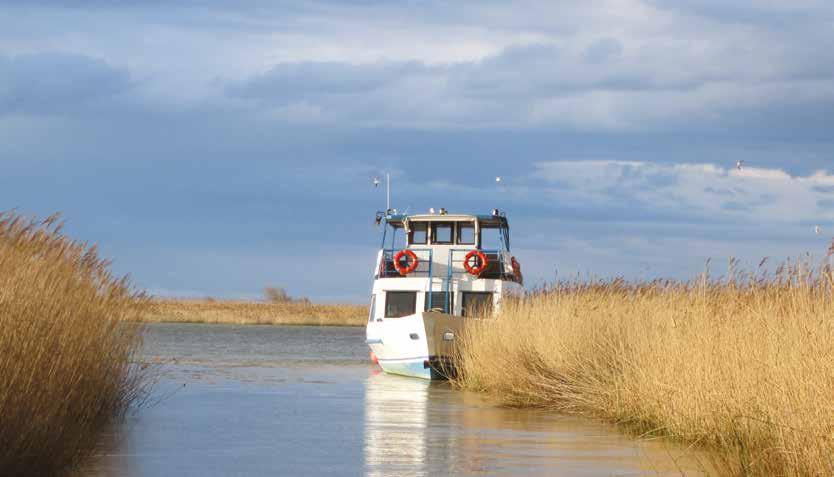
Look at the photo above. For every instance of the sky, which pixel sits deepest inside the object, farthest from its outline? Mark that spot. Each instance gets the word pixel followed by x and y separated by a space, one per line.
pixel 215 147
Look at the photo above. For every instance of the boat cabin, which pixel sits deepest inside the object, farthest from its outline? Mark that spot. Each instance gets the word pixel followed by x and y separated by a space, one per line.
pixel 438 257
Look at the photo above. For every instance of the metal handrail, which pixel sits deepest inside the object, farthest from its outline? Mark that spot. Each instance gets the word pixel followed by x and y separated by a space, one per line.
pixel 450 269
pixel 456 256
pixel 388 258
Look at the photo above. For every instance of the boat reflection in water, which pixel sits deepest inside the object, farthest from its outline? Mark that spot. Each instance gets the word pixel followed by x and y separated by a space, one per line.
pixel 416 427
pixel 249 401
pixel 396 423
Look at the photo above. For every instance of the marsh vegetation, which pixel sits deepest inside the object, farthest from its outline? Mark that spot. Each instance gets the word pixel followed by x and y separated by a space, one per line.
pixel 66 369
pixel 239 312
pixel 743 366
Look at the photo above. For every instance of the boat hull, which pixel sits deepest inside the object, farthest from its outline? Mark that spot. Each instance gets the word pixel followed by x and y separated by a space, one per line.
pixel 420 345
pixel 415 367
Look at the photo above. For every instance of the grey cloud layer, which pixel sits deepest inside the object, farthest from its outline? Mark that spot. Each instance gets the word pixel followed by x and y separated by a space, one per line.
pixel 51 82
pixel 289 82
pixel 610 65
pixel 718 75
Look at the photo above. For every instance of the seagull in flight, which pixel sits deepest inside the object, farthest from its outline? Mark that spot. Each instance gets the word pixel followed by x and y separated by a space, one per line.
pixel 739 164
pixel 376 181
pixel 817 229
pixel 498 179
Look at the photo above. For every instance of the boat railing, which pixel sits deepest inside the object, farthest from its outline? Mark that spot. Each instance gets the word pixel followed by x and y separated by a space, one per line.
pixel 496 268
pixel 424 264
pixel 453 268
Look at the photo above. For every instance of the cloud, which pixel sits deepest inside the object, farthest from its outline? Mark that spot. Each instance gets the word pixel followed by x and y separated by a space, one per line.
pixel 310 81
pixel 603 50
pixel 613 65
pixel 775 13
pixel 690 191
pixel 603 84
pixel 826 204
pixel 56 82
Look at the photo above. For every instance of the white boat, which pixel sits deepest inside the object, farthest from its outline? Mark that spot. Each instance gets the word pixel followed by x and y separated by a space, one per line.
pixel 434 274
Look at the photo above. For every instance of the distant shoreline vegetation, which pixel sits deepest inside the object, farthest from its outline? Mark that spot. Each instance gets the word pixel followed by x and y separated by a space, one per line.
pixel 279 295
pixel 278 309
pixel 742 367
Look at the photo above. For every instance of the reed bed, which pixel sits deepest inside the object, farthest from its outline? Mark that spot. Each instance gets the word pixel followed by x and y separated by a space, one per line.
pixel 254 313
pixel 742 368
pixel 65 349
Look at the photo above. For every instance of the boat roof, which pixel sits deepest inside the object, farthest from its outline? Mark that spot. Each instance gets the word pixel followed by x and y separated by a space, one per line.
pixel 483 219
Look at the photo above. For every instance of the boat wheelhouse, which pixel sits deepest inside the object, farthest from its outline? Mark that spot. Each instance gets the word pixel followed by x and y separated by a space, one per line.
pixel 434 273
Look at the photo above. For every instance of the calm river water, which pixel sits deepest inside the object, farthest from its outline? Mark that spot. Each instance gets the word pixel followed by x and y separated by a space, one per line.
pixel 297 400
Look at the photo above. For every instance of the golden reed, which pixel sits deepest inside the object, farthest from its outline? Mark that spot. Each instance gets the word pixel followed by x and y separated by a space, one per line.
pixel 254 313
pixel 745 370
pixel 65 349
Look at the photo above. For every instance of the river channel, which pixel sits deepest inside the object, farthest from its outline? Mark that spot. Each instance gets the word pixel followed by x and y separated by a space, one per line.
pixel 298 400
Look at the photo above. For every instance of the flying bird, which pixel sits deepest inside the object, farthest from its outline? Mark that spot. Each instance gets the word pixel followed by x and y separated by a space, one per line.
pixel 817 229
pixel 376 181
pixel 498 179
pixel 739 164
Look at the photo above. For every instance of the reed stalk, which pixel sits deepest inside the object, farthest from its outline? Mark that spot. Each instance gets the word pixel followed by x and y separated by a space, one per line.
pixel 65 347
pixel 743 367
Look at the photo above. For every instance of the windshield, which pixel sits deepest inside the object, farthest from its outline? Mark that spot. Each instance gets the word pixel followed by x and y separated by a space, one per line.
pixel 495 238
pixel 393 238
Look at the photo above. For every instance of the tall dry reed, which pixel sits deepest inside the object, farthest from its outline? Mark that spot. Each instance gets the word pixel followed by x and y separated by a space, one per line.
pixel 744 369
pixel 65 350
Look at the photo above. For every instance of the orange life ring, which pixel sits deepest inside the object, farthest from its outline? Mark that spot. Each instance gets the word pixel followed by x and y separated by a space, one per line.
pixel 475 269
pixel 517 270
pixel 412 257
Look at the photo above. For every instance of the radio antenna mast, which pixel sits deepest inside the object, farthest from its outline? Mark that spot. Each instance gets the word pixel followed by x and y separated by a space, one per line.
pixel 387 192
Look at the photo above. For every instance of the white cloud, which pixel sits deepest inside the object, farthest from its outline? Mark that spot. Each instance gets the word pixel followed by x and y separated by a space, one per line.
pixel 702 190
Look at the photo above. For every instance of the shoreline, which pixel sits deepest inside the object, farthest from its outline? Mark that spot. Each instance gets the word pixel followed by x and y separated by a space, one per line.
pixel 238 312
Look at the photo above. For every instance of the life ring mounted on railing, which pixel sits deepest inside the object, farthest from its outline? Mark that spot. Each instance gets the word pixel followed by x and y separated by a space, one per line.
pixel 519 278
pixel 411 262
pixel 477 268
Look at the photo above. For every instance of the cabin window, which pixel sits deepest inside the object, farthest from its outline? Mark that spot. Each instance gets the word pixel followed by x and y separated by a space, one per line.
pixel 476 304
pixel 394 237
pixel 442 233
pixel 466 234
pixel 440 301
pixel 372 311
pixel 491 238
pixel 400 303
pixel 398 238
pixel 419 233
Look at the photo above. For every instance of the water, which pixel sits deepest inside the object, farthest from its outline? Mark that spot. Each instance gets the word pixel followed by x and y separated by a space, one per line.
pixel 287 400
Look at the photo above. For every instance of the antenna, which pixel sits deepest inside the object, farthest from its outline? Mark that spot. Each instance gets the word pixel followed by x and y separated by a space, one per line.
pixel 376 183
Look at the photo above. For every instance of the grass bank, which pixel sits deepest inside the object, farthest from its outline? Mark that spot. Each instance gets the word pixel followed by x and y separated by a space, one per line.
pixel 254 313
pixel 65 371
pixel 745 370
